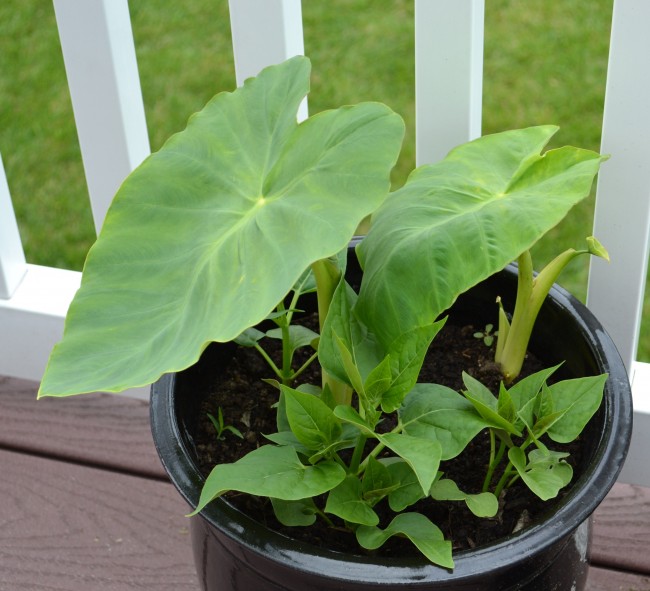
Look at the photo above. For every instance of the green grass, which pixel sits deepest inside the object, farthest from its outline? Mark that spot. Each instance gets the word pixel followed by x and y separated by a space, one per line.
pixel 544 63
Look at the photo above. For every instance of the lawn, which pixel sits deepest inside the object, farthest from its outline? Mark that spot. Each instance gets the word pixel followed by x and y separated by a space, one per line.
pixel 544 63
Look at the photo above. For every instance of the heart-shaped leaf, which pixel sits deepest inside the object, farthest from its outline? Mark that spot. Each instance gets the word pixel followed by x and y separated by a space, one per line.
pixel 311 420
pixel 271 471
pixel 426 536
pixel 456 222
pixel 481 504
pixel 545 473
pixel 208 234
pixel 578 400
pixel 295 513
pixel 439 413
pixel 346 501
pixel 422 455
pixel 407 488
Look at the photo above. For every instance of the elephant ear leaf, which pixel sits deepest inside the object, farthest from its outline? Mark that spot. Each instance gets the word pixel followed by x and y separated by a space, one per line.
pixel 458 221
pixel 208 234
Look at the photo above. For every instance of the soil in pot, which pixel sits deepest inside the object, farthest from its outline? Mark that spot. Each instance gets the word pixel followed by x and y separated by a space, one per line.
pixel 246 402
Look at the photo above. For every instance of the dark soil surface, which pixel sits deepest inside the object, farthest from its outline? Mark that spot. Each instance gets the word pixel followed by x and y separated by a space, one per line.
pixel 247 403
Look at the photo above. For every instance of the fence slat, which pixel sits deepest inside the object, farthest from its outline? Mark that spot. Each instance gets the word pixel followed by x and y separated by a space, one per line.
pixel 12 258
pixel 100 62
pixel 448 75
pixel 265 32
pixel 622 218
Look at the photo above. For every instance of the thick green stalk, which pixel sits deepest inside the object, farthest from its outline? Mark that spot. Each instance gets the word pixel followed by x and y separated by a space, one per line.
pixel 523 318
pixel 531 293
pixel 328 275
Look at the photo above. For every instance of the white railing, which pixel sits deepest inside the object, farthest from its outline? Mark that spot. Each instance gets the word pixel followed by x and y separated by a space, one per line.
pixel 100 62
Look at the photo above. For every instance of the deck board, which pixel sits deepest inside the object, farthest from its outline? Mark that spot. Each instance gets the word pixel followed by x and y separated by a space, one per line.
pixel 71 527
pixel 600 579
pixel 621 537
pixel 96 429
pixel 86 505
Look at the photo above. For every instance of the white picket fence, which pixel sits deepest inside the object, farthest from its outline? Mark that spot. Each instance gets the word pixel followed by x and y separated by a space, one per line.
pixel 102 72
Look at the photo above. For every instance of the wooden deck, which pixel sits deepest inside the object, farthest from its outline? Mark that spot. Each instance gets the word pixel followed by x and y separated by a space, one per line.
pixel 86 506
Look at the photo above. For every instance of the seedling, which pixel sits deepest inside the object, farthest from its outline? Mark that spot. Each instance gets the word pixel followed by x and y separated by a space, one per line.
pixel 486 335
pixel 221 428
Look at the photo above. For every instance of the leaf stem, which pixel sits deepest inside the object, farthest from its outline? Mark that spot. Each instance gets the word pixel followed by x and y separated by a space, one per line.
pixel 502 481
pixel 305 365
pixel 272 365
pixel 327 275
pixel 495 460
pixel 356 455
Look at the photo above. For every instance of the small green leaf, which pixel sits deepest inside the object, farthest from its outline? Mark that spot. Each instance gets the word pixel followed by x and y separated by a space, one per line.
pixel 486 405
pixel 299 336
pixel 349 415
pixel 342 324
pixel 579 399
pixel 407 489
pixel 524 395
pixel 425 535
pixel 545 479
pixel 407 354
pixel 596 248
pixel 311 420
pixel 377 481
pixel 378 382
pixel 288 438
pixel 422 455
pixel 435 412
pixel 271 471
pixel 249 337
pixel 479 392
pixel 295 513
pixel 505 405
pixel 480 504
pixel 346 501
pixel 527 388
pixel 544 458
pixel 351 370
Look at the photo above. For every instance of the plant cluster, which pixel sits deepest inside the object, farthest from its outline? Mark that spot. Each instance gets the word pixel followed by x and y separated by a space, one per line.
pixel 247 208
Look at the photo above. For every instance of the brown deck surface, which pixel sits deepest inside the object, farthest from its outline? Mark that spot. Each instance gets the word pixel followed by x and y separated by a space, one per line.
pixel 85 504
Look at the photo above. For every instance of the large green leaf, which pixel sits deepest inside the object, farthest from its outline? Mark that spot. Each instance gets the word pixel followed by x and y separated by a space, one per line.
pixel 208 234
pixel 458 221
pixel 271 471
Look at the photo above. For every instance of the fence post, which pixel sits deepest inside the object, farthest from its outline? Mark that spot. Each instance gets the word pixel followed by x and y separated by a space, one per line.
pixel 100 62
pixel 448 75
pixel 12 258
pixel 265 32
pixel 622 218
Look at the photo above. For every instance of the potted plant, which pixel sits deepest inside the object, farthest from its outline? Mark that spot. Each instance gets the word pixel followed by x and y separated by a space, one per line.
pixel 237 217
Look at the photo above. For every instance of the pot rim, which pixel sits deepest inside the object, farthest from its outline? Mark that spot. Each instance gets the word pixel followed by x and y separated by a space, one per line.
pixel 584 495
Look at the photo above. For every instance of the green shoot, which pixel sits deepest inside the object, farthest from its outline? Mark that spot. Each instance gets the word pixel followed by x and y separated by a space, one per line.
pixel 486 335
pixel 221 428
pixel 531 293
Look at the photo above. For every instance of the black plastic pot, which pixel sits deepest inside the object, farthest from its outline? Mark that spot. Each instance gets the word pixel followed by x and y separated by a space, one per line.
pixel 233 552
